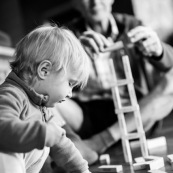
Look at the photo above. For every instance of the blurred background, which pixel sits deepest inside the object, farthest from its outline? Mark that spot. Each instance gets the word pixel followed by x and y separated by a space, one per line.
pixel 18 17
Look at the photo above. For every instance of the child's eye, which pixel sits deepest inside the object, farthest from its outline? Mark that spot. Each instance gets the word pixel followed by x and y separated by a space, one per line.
pixel 70 84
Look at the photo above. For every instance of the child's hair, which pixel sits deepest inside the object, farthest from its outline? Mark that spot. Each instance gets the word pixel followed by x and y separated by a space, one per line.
pixel 56 44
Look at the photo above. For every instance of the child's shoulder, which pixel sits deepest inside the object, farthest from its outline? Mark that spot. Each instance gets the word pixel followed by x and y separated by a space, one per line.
pixel 12 92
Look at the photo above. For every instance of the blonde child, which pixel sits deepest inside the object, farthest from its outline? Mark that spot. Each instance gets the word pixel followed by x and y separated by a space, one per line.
pixel 49 63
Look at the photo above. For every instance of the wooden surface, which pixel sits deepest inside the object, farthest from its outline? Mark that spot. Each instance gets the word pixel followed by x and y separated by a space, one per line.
pixel 117 158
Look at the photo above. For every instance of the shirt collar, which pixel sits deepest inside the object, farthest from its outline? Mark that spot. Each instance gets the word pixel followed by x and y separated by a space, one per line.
pixel 113 25
pixel 36 98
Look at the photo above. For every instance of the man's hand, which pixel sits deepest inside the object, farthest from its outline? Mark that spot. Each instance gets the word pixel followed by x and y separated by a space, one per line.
pixel 146 40
pixel 93 42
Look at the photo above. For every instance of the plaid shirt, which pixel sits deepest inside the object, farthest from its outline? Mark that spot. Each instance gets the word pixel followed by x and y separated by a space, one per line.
pixel 101 63
pixel 143 70
pixel 101 75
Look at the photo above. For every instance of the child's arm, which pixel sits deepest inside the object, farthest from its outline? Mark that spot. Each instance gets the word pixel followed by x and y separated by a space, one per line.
pixel 63 151
pixel 18 134
pixel 88 154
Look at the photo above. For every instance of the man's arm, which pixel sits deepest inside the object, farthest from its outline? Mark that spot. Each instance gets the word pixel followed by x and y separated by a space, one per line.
pixel 165 61
pixel 148 43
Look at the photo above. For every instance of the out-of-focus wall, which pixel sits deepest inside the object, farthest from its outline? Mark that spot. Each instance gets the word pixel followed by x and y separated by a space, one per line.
pixel 158 14
pixel 11 19
pixel 18 17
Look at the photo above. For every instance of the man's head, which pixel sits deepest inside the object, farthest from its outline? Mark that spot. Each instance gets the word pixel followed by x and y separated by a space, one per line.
pixel 94 10
pixel 47 56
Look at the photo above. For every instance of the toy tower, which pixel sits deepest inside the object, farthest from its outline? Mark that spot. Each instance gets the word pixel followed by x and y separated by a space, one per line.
pixel 120 110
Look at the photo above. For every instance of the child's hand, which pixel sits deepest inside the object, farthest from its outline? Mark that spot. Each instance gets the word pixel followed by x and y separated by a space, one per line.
pixel 146 40
pixel 54 133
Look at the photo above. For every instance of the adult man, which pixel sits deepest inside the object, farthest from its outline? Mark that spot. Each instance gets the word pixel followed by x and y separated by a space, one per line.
pixel 92 113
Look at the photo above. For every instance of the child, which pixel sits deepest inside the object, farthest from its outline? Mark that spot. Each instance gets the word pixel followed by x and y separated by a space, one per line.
pixel 48 63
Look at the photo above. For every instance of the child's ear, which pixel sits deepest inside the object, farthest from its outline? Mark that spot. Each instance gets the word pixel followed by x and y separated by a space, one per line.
pixel 44 69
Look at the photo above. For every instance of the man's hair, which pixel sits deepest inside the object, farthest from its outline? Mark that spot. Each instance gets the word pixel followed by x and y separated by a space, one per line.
pixel 56 44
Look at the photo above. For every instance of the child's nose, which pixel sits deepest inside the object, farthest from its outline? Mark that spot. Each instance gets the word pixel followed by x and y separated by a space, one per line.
pixel 69 94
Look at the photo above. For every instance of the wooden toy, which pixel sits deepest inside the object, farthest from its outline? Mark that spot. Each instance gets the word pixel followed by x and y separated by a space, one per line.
pixel 139 159
pixel 139 166
pixel 170 158
pixel 155 163
pixel 120 110
pixel 157 145
pixel 156 171
pixel 104 159
pixel 110 168
pixel 149 163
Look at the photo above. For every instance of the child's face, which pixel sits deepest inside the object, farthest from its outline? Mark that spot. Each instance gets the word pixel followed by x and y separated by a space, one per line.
pixel 58 86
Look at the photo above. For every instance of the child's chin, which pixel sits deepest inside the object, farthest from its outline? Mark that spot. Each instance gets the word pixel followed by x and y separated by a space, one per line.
pixel 50 105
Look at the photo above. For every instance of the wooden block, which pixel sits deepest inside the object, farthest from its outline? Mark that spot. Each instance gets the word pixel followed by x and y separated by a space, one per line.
pixel 110 168
pixel 149 163
pixel 126 109
pixel 156 142
pixel 105 159
pixel 139 166
pixel 116 46
pixel 135 144
pixel 124 82
pixel 139 159
pixel 133 135
pixel 156 171
pixel 151 158
pixel 170 158
pixel 127 70
pixel 155 164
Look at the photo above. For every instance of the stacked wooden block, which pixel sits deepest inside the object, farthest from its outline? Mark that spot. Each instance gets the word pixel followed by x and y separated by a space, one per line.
pixel 148 163
pixel 121 110
pixel 110 168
